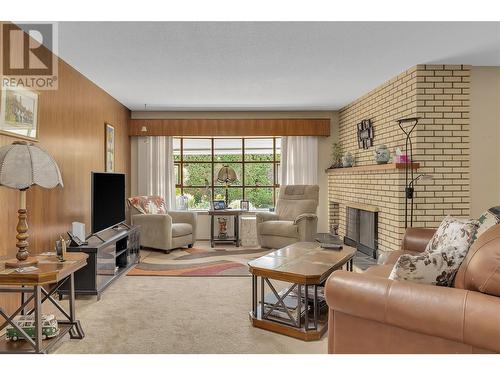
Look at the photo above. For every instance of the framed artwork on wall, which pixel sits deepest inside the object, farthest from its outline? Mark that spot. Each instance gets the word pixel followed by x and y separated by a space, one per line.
pixel 110 148
pixel 365 134
pixel 19 113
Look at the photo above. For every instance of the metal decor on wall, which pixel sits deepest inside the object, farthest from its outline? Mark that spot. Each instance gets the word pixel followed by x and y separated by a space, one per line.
pixel 365 134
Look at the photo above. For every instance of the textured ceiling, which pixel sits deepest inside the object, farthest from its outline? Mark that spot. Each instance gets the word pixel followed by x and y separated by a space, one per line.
pixel 262 65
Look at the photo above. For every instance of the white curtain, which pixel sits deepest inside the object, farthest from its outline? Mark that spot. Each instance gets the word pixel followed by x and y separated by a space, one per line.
pixel 299 160
pixel 155 164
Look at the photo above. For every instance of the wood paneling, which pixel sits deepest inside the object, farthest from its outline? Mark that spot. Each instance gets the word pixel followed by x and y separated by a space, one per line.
pixel 231 127
pixel 71 127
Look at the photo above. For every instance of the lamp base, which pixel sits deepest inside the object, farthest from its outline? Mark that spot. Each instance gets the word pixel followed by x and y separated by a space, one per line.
pixel 14 263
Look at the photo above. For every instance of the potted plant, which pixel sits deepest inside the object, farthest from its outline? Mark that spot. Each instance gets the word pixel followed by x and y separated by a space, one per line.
pixel 336 155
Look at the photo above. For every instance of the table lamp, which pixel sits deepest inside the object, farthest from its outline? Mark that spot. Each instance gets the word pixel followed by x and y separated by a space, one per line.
pixel 226 176
pixel 23 165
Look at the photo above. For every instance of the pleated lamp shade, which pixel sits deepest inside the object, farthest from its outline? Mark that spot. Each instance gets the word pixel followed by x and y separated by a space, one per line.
pixel 23 164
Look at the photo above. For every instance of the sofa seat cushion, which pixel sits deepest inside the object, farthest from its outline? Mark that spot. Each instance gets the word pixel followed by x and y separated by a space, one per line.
pixel 444 254
pixel 280 228
pixel 181 229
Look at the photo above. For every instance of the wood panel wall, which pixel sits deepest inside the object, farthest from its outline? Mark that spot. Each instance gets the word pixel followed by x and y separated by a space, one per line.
pixel 71 128
pixel 231 127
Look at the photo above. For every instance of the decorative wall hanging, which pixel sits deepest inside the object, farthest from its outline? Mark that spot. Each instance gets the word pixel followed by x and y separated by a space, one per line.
pixel 19 113
pixel 365 134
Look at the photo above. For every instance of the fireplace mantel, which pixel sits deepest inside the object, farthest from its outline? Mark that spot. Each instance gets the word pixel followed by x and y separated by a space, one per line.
pixel 374 168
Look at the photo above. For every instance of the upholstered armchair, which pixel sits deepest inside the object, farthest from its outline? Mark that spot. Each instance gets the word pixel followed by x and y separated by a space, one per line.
pixel 293 221
pixel 161 229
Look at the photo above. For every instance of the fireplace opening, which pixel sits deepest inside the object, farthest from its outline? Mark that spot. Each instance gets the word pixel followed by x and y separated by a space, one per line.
pixel 362 230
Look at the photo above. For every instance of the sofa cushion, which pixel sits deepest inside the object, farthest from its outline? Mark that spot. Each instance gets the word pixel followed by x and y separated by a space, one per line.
pixel 480 271
pixel 445 252
pixel 393 256
pixel 280 228
pixel 288 209
pixel 181 229
pixel 148 204
pixel 487 220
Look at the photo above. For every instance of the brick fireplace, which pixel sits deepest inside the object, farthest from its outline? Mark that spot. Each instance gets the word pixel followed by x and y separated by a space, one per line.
pixel 439 95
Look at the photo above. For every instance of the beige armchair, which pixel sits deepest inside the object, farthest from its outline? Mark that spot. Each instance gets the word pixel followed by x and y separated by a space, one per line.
pixel 295 218
pixel 161 229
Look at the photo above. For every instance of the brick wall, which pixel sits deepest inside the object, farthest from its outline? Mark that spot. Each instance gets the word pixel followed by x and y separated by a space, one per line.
pixel 439 94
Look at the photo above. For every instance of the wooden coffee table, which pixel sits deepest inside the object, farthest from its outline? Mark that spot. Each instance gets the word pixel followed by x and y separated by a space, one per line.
pixel 306 266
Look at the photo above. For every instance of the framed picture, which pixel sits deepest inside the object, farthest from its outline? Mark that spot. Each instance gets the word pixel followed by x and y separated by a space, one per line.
pixel 219 205
pixel 19 113
pixel 245 205
pixel 365 134
pixel 110 148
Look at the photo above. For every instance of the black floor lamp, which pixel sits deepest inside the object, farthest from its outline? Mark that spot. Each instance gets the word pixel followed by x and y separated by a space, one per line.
pixel 409 180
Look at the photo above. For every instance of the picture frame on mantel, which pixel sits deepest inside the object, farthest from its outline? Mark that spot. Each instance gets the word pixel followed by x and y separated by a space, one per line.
pixel 110 147
pixel 19 113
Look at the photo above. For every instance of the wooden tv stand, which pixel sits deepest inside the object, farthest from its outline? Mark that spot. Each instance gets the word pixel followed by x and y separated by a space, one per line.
pixel 112 253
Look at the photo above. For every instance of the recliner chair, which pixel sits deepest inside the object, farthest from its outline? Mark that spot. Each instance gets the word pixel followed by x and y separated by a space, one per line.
pixel 295 219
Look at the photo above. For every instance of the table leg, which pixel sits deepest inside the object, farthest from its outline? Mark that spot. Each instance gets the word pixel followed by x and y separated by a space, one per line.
pixel 23 299
pixel 76 331
pixel 254 295
pixel 315 307
pixel 262 312
pixel 237 230
pixel 306 307
pixel 211 230
pixel 38 318
pixel 299 304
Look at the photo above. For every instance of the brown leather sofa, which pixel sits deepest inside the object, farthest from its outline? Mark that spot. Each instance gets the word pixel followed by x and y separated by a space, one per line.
pixel 371 314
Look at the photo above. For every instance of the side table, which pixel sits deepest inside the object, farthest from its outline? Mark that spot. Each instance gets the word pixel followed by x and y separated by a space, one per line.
pixel 236 215
pixel 32 286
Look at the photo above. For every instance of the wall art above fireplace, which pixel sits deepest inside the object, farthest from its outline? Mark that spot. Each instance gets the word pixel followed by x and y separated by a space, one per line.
pixel 365 134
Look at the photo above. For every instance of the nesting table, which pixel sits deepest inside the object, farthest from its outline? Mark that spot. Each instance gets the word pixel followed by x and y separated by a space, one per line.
pixel 295 310
pixel 227 212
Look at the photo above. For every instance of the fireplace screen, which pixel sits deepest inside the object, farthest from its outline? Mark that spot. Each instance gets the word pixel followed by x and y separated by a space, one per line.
pixel 361 230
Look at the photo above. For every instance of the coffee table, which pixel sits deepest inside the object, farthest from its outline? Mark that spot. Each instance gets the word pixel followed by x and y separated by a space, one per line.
pixel 304 266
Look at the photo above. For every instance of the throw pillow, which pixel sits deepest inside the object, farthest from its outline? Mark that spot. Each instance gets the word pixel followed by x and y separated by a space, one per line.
pixel 487 220
pixel 148 204
pixel 443 256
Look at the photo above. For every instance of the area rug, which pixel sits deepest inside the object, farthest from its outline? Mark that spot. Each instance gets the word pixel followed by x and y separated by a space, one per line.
pixel 197 262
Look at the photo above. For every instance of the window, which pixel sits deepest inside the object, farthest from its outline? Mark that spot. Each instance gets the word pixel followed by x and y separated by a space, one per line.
pixel 256 162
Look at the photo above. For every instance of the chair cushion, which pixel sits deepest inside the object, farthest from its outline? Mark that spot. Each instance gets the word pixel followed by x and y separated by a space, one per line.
pixel 289 209
pixel 280 228
pixel 181 229
pixel 393 256
pixel 443 256
pixel 148 204
pixel 382 270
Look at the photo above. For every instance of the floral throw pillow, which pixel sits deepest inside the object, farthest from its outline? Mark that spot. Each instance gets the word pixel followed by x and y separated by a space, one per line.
pixel 487 220
pixel 439 263
pixel 148 204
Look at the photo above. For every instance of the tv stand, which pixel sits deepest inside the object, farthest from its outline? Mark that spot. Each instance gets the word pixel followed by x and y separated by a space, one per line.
pixel 112 253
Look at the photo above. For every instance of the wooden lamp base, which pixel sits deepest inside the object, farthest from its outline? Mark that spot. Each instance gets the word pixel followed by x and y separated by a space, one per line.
pixel 22 257
pixel 14 263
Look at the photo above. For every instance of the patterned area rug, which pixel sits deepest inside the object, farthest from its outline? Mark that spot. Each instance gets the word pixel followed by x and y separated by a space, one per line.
pixel 197 262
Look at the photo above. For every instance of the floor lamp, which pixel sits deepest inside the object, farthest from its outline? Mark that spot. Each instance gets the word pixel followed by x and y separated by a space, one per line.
pixel 412 121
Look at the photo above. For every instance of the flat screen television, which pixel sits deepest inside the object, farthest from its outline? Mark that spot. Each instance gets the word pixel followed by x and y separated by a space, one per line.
pixel 108 200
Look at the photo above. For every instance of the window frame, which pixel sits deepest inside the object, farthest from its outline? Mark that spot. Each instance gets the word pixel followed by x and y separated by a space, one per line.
pixel 179 165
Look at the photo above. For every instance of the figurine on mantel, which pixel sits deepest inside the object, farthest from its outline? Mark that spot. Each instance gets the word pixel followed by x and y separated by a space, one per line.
pixel 347 160
pixel 382 154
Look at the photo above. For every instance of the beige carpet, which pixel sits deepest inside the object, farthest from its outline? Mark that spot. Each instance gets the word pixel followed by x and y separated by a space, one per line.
pixel 148 314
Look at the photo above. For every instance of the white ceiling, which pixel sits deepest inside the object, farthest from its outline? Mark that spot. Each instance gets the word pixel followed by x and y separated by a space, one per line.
pixel 262 65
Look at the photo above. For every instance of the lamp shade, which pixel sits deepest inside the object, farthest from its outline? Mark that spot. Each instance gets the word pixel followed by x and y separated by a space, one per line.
pixel 23 164
pixel 226 175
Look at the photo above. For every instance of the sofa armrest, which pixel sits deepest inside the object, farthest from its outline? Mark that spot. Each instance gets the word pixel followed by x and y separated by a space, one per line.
pixel 454 314
pixel 188 217
pixel 416 239
pixel 266 216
